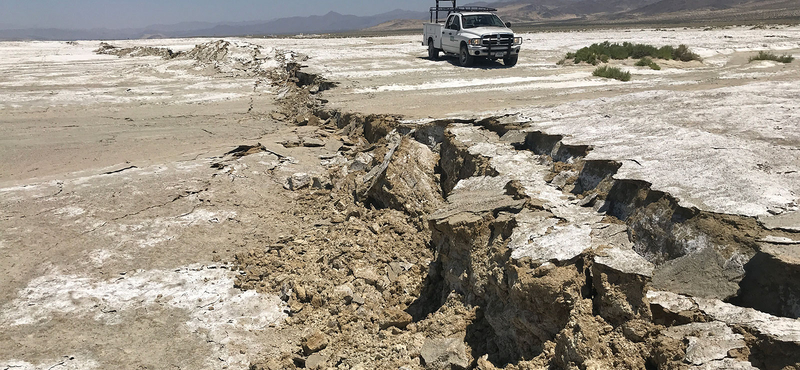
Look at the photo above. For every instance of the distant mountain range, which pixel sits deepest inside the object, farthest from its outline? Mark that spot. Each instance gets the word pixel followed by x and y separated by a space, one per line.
pixel 516 11
pixel 328 23
pixel 637 11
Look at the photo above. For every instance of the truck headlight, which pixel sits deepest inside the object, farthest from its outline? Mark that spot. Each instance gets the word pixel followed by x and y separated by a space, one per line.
pixel 518 41
pixel 475 41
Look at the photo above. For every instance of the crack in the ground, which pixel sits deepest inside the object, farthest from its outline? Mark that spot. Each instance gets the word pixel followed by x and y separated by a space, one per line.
pixel 589 307
pixel 175 199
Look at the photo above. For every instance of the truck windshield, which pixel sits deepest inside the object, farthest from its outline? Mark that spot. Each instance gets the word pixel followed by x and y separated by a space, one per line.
pixel 482 20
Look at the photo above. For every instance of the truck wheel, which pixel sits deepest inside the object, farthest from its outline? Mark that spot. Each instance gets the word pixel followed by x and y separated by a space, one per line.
pixel 433 52
pixel 511 60
pixel 464 59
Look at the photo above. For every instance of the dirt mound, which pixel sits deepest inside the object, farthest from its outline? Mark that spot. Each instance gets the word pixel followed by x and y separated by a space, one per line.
pixel 236 59
pixel 137 51
pixel 224 58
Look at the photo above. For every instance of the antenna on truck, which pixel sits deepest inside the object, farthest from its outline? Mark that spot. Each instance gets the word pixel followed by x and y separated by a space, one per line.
pixel 449 9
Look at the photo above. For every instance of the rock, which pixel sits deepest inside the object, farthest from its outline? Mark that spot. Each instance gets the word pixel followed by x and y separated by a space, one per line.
pixel 410 183
pixel 395 317
pixel 301 120
pixel 312 142
pixel 318 182
pixel 543 238
pixel 561 180
pixel 335 160
pixel 624 261
pixel 778 342
pixel 484 364
pixel 704 273
pixel 278 116
pixel 362 162
pixel 368 274
pixel 772 280
pixel 317 301
pixel 300 291
pixel 290 143
pixel 707 342
pixel 636 330
pixel 475 195
pixel 445 353
pixel 316 361
pixel 620 277
pixel 772 239
pixel 789 221
pixel 313 120
pixel 588 201
pixel 295 306
pixel 314 342
pixel 394 271
pixel 514 137
pixel 344 292
pixel 333 146
pixel 297 181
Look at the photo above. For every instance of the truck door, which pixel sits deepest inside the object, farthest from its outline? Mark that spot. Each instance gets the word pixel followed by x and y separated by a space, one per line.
pixel 450 42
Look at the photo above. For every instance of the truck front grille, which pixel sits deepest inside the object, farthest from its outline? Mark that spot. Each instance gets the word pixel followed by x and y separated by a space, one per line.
pixel 500 39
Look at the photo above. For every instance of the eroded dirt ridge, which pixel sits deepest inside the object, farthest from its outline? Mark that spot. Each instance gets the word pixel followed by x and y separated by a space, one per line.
pixel 483 244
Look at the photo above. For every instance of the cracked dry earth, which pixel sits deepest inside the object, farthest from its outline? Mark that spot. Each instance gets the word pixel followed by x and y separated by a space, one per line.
pixel 234 204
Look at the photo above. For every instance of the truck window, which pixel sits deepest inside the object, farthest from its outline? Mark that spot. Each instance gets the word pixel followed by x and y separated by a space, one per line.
pixel 482 20
pixel 453 23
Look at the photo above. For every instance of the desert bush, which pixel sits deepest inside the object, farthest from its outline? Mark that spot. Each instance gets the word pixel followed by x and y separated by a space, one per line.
pixel 612 72
pixel 644 62
pixel 763 55
pixel 665 52
pixel 683 54
pixel 647 62
pixel 607 50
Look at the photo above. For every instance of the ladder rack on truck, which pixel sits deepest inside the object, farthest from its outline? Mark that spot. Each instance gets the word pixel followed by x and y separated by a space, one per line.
pixel 435 10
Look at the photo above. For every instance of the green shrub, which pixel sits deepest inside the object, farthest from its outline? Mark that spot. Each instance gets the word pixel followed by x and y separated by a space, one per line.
pixel 763 55
pixel 683 54
pixel 665 52
pixel 647 62
pixel 606 50
pixel 612 72
pixel 644 62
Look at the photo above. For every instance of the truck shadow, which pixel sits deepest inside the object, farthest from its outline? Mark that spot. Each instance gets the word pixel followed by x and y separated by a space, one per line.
pixel 478 64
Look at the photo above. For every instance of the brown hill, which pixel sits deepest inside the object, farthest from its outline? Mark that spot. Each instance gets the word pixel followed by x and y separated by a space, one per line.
pixel 615 11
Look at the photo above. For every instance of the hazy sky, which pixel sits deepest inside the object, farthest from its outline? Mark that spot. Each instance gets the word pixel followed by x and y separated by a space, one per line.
pixel 139 13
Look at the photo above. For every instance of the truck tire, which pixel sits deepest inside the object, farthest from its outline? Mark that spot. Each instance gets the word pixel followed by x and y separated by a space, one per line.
pixel 464 58
pixel 433 52
pixel 511 60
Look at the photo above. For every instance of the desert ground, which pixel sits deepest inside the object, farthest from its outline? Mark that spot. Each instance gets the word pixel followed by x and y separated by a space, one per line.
pixel 347 203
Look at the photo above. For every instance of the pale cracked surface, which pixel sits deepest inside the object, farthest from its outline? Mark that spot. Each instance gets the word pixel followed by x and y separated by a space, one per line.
pixel 116 234
pixel 115 229
pixel 718 135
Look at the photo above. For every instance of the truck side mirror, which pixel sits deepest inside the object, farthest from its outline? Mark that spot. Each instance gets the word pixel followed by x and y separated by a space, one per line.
pixel 508 24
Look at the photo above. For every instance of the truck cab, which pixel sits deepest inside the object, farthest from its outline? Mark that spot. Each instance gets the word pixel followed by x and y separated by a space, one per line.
pixel 470 33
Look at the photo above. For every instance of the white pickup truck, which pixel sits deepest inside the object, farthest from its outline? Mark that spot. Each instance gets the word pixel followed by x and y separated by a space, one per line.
pixel 469 33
